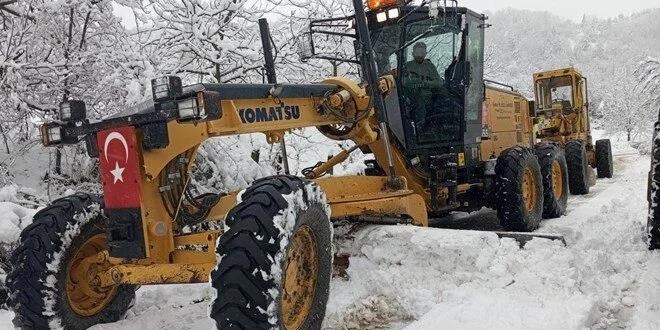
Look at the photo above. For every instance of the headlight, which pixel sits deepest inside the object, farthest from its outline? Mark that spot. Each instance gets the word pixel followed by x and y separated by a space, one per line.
pixel 165 88
pixel 204 106
pixel 51 133
pixel 190 109
pixel 393 13
pixel 381 17
pixel 65 111
pixel 73 111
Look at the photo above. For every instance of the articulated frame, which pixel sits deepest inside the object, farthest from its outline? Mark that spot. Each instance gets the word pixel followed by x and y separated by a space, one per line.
pixel 169 257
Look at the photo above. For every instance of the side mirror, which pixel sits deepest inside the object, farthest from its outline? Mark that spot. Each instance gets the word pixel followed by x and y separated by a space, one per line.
pixel 305 46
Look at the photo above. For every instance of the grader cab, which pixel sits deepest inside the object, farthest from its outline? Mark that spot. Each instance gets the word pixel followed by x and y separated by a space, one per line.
pixel 442 137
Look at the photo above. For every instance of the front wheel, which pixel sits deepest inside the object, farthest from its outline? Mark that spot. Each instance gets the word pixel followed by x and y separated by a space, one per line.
pixel 275 258
pixel 519 189
pixel 52 283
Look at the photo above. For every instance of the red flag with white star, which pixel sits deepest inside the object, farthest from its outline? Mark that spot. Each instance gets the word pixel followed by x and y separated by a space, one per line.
pixel 120 171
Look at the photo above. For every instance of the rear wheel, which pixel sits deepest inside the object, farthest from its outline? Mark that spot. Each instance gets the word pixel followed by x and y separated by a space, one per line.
pixel 578 165
pixel 554 172
pixel 52 284
pixel 275 258
pixel 604 160
pixel 519 189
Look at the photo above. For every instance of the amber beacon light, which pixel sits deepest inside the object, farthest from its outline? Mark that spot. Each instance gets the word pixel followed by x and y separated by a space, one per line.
pixel 378 4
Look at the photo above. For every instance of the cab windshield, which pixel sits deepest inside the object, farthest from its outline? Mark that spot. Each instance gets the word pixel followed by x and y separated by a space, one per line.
pixel 556 92
pixel 430 103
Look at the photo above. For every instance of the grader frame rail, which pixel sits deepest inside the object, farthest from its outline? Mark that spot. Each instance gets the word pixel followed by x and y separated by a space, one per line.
pixel 472 146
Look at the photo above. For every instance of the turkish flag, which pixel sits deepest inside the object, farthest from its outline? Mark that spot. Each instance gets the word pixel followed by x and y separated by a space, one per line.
pixel 120 167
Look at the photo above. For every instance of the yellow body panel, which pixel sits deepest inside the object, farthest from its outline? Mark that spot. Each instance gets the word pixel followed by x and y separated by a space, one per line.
pixel 507 121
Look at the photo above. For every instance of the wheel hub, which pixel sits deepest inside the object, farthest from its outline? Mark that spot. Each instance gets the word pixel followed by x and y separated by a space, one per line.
pixel 529 190
pixel 557 180
pixel 300 278
pixel 85 295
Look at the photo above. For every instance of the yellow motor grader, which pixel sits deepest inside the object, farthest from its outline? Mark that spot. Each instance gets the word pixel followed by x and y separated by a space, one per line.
pixel 442 141
pixel 562 114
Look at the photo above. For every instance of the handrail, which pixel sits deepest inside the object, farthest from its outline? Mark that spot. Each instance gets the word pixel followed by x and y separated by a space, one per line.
pixel 499 83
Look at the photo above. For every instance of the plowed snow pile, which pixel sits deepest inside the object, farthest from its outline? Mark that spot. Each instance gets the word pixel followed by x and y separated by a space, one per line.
pixel 403 277
pixel 473 280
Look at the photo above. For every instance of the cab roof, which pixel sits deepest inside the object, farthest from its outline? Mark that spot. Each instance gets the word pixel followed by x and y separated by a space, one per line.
pixel 570 71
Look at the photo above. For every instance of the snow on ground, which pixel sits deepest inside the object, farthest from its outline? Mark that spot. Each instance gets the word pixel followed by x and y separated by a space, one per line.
pixel 592 283
pixel 403 277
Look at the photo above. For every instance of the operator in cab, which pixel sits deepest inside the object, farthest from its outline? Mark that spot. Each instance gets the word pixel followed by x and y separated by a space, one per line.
pixel 420 82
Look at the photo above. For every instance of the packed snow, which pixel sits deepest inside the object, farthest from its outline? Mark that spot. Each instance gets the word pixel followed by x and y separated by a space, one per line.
pixel 405 277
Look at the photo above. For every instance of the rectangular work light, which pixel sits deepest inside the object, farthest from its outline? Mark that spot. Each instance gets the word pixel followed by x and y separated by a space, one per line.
pixel 51 133
pixel 72 110
pixel 189 109
pixel 166 88
pixel 204 105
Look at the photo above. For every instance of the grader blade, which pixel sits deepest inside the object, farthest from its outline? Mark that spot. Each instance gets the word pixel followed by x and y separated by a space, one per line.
pixel 523 238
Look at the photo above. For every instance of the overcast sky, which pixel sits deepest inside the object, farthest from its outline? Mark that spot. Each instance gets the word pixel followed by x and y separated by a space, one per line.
pixel 573 9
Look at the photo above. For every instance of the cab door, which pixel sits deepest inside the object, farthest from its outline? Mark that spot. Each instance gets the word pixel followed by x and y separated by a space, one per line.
pixel 474 95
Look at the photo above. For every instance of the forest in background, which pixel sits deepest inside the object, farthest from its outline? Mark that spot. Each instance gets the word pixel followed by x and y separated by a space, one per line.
pixel 53 51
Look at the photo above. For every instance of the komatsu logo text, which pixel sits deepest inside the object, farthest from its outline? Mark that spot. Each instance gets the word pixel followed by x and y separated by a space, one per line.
pixel 258 115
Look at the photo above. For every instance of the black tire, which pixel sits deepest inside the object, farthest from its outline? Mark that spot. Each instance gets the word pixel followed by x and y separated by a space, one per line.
pixel 604 159
pixel 549 155
pixel 32 280
pixel 653 222
pixel 512 210
pixel 578 165
pixel 248 291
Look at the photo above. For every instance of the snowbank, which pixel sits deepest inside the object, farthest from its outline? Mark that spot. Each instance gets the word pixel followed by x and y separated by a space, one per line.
pixel 13 217
pixel 473 280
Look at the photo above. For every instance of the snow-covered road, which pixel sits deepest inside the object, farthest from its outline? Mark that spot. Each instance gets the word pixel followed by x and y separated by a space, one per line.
pixel 403 277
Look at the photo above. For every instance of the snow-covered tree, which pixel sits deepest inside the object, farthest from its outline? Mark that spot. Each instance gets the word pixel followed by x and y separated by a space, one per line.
pixel 212 41
pixel 649 74
pixel 623 109
pixel 57 51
